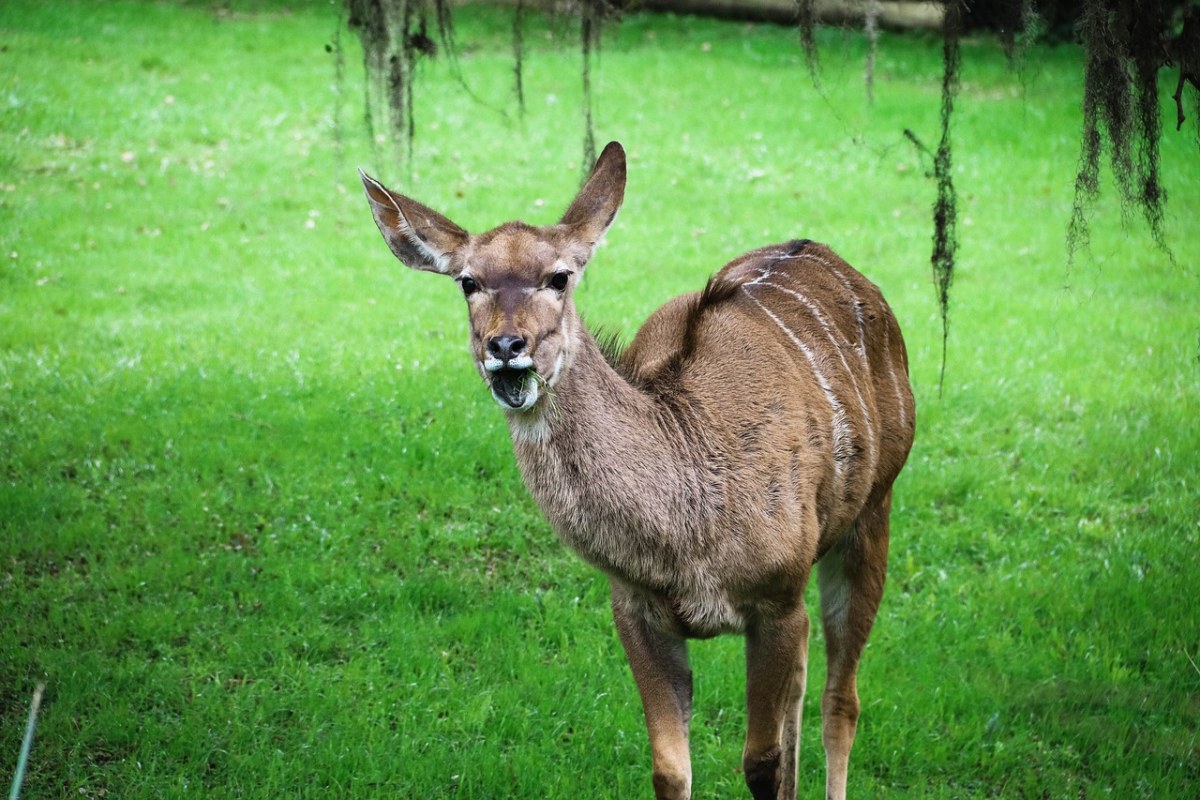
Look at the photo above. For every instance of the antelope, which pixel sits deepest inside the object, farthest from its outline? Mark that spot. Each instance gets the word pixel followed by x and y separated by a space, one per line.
pixel 749 431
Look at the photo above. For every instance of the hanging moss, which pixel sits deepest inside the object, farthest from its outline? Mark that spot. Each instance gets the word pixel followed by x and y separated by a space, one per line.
pixel 589 29
pixel 1126 43
pixel 1146 28
pixel 1125 47
pixel 518 43
pixel 871 29
pixel 592 16
pixel 1016 23
pixel 1183 53
pixel 395 36
pixel 339 81
pixel 806 21
pixel 369 19
pixel 945 209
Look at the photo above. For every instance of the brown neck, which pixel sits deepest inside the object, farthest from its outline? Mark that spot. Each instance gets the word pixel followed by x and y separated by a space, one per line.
pixel 612 468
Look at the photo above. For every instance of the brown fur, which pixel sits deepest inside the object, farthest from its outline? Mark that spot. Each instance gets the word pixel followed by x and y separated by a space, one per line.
pixel 749 431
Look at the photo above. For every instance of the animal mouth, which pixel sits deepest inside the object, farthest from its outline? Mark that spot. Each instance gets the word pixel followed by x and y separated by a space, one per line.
pixel 515 389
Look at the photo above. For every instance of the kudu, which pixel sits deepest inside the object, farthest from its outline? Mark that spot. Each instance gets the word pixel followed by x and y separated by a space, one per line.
pixel 749 431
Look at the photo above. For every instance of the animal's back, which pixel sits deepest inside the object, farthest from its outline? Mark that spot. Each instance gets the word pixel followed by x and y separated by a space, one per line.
pixel 837 370
pixel 843 328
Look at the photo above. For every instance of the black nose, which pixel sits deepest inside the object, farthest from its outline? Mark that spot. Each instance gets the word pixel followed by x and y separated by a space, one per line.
pixel 505 348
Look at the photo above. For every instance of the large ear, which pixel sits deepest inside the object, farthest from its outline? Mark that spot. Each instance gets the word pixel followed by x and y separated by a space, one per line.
pixel 597 204
pixel 418 235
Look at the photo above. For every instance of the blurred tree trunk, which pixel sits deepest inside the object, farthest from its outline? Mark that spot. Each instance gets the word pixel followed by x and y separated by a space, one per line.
pixel 893 14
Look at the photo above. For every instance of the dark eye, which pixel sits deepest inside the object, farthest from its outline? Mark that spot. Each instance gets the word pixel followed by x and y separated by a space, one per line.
pixel 469 285
pixel 558 281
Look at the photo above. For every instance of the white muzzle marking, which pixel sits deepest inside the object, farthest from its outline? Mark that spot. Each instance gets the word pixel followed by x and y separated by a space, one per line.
pixel 496 364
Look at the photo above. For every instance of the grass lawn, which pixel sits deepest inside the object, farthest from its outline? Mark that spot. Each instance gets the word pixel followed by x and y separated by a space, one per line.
pixel 261 533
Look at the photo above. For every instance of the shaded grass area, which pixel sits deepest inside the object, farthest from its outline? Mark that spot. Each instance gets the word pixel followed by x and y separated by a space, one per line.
pixel 260 530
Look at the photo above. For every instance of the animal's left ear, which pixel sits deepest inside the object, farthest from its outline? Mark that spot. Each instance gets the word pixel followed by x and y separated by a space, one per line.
pixel 597 204
pixel 419 236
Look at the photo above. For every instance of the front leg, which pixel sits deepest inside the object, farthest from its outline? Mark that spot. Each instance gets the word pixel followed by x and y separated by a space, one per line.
pixel 660 666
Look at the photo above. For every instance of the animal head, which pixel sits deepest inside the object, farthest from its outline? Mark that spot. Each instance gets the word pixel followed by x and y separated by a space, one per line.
pixel 517 279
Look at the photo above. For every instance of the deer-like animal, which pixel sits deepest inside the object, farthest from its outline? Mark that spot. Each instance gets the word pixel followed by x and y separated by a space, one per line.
pixel 748 432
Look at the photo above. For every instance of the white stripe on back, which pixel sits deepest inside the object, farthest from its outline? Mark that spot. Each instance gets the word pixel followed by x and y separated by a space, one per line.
pixel 841 427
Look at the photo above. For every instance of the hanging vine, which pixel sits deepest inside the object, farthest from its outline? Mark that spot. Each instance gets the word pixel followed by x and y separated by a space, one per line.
pixel 806 22
pixel 518 45
pixel 871 29
pixel 395 36
pixel 1183 52
pixel 590 27
pixel 339 80
pixel 945 209
pixel 1018 26
pixel 592 16
pixel 1126 43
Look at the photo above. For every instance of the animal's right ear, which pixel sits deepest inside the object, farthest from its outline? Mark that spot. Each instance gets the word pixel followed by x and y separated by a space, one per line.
pixel 419 236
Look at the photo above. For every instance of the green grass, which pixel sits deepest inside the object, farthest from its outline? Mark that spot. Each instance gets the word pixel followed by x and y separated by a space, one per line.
pixel 261 533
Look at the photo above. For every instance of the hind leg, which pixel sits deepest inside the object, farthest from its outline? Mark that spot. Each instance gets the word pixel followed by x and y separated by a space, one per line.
pixel 851 576
pixel 776 665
